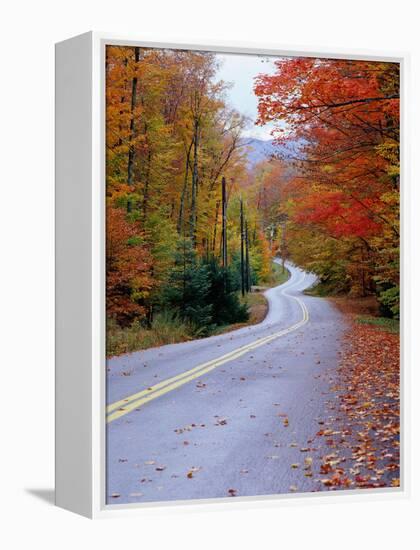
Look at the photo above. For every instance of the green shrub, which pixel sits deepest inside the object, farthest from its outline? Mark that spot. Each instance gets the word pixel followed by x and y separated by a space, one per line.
pixel 389 301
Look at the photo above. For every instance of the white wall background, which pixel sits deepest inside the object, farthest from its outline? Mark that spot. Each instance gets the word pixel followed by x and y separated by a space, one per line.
pixel 28 32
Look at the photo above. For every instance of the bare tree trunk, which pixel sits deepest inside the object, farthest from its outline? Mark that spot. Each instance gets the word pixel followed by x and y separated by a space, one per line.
pixel 131 151
pixel 122 101
pixel 147 185
pixel 194 185
pixel 184 191
pixel 283 247
pixel 242 251
pixel 224 224
pixel 247 269
pixel 215 227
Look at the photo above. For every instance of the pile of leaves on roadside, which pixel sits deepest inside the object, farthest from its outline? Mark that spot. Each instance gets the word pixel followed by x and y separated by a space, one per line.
pixel 358 440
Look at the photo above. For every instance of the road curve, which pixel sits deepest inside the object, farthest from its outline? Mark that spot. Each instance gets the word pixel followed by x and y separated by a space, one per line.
pixel 206 419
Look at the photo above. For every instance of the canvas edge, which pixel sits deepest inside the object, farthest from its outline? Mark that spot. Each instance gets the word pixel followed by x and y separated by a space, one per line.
pixel 73 252
pixel 98 507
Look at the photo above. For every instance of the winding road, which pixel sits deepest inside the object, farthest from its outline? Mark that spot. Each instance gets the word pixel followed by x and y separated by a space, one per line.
pixel 226 415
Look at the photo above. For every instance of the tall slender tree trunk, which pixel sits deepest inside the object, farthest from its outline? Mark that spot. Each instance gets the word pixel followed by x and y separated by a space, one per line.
pixel 224 224
pixel 122 101
pixel 194 184
pixel 184 191
pixel 247 268
pixel 131 150
pixel 147 185
pixel 216 217
pixel 242 251
pixel 283 246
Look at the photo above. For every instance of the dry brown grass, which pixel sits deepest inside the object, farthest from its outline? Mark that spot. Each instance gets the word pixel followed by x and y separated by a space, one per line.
pixel 257 307
pixel 367 305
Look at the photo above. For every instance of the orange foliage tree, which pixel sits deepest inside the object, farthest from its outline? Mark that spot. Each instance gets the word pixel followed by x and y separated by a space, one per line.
pixel 170 137
pixel 128 268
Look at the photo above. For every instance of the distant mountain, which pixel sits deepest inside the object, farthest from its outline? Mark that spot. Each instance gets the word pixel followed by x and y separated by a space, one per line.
pixel 258 150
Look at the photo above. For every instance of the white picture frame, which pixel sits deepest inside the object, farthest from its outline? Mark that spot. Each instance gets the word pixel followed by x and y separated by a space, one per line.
pixel 80 272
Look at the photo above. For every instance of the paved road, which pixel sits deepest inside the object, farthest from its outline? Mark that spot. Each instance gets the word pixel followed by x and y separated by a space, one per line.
pixel 225 415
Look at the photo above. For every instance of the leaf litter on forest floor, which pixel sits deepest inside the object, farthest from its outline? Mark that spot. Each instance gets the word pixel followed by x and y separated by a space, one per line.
pixel 363 439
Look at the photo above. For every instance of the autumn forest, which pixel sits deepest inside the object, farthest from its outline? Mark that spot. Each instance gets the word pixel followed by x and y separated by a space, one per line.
pixel 193 226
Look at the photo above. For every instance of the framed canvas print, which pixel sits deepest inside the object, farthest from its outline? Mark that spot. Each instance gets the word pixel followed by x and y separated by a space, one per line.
pixel 228 273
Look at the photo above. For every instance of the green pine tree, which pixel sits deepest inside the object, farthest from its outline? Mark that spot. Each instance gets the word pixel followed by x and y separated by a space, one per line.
pixel 223 295
pixel 186 293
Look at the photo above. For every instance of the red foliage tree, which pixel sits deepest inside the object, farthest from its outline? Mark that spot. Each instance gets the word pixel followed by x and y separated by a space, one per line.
pixel 128 280
pixel 345 117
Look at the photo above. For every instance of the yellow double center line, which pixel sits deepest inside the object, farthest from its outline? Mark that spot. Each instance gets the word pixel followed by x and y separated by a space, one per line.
pixel 132 402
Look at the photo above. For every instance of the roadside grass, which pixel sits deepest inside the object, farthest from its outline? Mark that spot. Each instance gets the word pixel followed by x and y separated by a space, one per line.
pixel 278 276
pixel 390 325
pixel 322 290
pixel 366 306
pixel 257 309
pixel 164 330
pixel 167 330
pixel 365 311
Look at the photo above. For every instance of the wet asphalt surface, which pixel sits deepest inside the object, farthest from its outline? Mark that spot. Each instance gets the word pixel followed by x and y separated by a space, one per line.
pixel 242 429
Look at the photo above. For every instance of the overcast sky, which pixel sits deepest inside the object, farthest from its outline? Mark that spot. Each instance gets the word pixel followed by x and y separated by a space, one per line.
pixel 241 71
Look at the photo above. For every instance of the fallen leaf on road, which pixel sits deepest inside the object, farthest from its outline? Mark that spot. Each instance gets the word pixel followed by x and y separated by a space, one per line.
pixel 221 422
pixel 192 471
pixel 325 432
pixel 327 482
pixel 326 468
